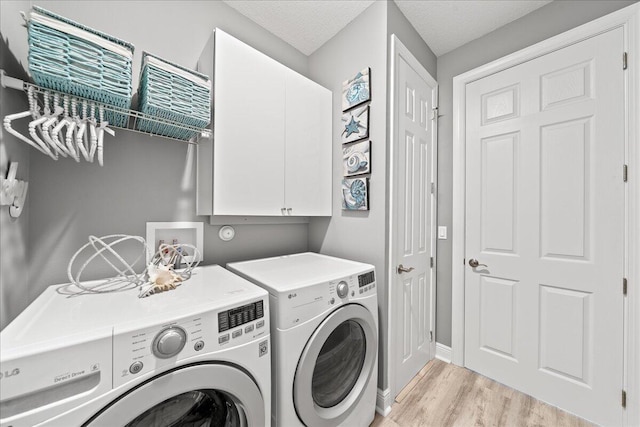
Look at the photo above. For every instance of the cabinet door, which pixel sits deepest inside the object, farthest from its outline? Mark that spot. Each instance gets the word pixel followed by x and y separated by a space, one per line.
pixel 249 120
pixel 308 147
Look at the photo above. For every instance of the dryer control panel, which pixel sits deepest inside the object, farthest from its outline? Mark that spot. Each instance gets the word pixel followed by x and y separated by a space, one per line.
pixel 296 307
pixel 239 316
pixel 150 349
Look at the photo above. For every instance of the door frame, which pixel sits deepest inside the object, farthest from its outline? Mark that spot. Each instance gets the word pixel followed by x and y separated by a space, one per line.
pixel 629 19
pixel 399 50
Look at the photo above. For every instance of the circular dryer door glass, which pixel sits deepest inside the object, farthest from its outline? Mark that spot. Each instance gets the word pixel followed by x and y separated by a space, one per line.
pixel 339 364
pixel 194 408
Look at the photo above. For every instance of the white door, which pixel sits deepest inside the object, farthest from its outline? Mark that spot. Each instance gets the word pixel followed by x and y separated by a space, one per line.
pixel 545 215
pixel 416 98
pixel 249 117
pixel 308 144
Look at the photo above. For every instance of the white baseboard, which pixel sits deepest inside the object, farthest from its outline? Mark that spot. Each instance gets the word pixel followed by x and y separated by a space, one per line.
pixel 443 352
pixel 383 402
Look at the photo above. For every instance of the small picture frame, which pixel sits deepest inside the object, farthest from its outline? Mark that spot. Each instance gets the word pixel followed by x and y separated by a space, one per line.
pixel 356 158
pixel 355 194
pixel 355 124
pixel 356 90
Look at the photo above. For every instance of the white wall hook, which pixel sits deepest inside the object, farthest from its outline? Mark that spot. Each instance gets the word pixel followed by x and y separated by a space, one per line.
pixel 13 192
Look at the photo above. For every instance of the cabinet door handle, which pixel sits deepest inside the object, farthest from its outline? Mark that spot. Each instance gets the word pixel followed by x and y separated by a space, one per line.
pixel 289 211
pixel 283 210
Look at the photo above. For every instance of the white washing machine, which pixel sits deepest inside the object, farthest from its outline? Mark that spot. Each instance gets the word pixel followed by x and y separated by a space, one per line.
pixel 324 331
pixel 197 355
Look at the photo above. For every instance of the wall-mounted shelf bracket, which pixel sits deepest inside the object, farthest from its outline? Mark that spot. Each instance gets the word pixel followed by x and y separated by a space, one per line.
pixel 10 82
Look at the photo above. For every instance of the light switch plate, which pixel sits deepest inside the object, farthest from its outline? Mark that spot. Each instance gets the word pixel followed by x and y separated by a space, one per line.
pixel 442 232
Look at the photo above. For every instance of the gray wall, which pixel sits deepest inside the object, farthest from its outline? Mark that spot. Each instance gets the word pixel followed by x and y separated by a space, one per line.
pixel 357 235
pixel 14 232
pixel 362 236
pixel 144 178
pixel 402 28
pixel 551 19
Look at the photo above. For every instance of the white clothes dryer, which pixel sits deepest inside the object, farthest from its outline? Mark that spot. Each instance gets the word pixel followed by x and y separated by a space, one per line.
pixel 196 355
pixel 324 330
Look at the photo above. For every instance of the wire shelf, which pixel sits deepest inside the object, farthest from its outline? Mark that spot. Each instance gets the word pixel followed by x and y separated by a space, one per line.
pixel 132 115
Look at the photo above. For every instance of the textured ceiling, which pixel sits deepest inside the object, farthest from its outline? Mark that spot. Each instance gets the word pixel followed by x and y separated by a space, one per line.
pixel 304 24
pixel 444 25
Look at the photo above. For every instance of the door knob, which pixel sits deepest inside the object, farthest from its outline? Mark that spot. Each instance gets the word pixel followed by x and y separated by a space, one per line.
pixel 474 263
pixel 403 269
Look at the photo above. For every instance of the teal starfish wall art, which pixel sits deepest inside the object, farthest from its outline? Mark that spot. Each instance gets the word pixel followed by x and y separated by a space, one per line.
pixel 355 124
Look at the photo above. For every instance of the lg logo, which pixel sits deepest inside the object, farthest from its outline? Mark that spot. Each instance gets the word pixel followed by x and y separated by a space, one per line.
pixel 7 374
pixel 293 295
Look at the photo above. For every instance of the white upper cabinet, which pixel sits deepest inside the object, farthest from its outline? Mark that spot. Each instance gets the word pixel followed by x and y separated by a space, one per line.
pixel 271 153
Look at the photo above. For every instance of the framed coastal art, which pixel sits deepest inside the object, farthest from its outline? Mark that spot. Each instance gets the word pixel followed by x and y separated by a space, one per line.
pixel 355 194
pixel 356 90
pixel 355 124
pixel 356 158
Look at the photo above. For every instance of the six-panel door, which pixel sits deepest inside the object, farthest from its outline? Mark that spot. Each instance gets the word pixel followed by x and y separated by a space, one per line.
pixel 545 213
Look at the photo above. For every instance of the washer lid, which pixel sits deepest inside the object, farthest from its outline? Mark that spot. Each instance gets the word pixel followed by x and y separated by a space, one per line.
pixel 56 320
pixel 286 273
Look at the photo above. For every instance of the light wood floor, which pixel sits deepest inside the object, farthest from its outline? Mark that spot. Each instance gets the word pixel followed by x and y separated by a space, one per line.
pixel 447 395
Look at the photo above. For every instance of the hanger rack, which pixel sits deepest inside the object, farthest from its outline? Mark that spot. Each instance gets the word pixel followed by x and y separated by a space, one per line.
pixel 132 115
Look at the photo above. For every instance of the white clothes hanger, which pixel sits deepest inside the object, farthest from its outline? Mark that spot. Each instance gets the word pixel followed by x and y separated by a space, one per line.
pixel 35 124
pixel 11 117
pixel 7 125
pixel 52 119
pixel 65 122
pixel 101 130
pixel 38 120
pixel 70 126
pixel 93 132
pixel 81 136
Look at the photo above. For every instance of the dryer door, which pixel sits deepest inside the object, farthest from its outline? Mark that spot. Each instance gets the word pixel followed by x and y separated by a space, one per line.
pixel 195 395
pixel 336 366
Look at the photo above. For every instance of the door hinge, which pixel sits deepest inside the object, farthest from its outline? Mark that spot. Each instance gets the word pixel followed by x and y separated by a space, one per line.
pixel 624 399
pixel 624 286
pixel 625 173
pixel 434 113
pixel 430 336
pixel 624 60
pixel 433 187
pixel 431 262
pixel 464 261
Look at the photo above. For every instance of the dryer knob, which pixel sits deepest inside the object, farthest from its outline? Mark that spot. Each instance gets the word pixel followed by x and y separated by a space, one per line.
pixel 169 342
pixel 343 289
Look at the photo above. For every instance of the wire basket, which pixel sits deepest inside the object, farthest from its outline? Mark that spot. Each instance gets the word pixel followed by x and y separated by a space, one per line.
pixel 174 93
pixel 72 58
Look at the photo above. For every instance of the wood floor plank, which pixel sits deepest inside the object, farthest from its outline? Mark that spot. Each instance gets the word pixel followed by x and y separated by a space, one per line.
pixel 445 395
